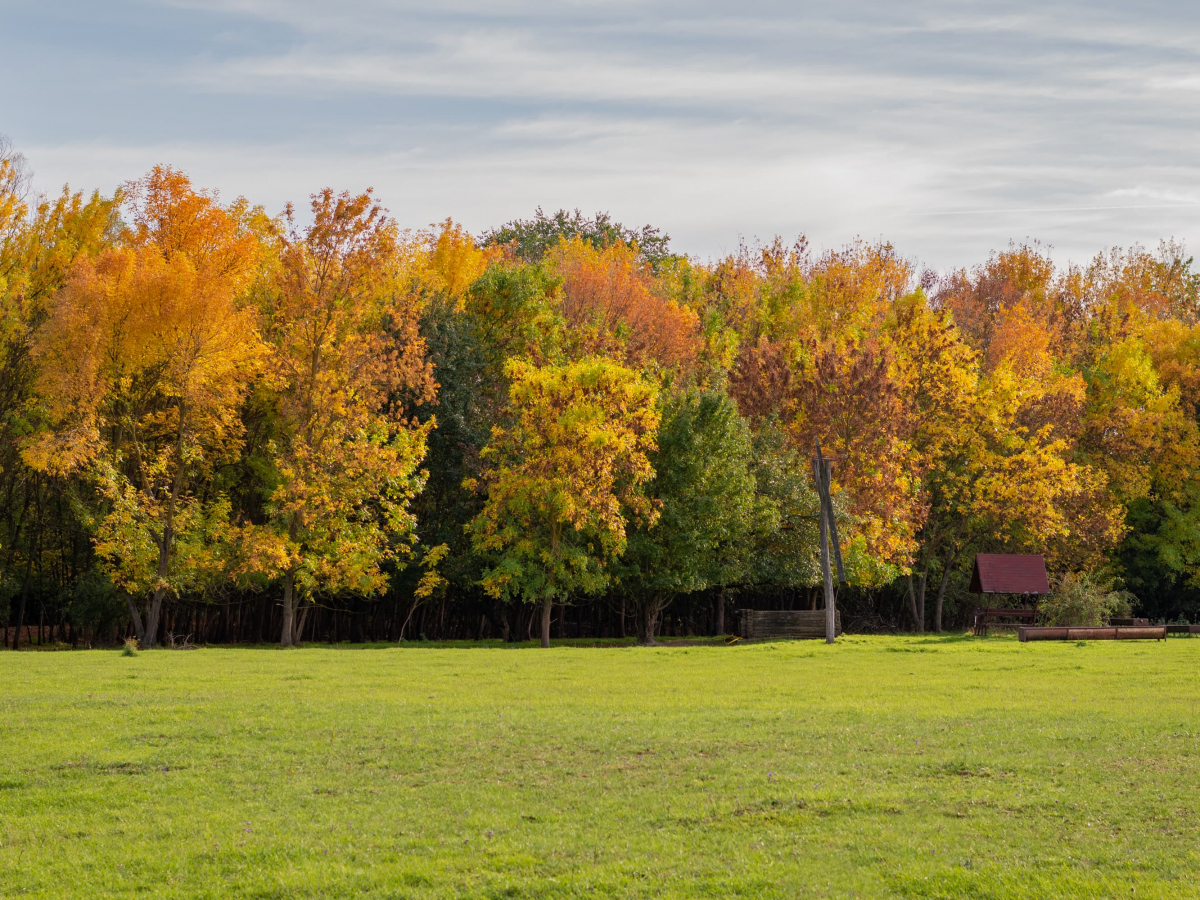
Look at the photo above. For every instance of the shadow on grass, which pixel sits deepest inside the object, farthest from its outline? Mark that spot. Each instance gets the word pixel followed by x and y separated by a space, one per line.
pixel 954 638
pixel 488 644
pixel 904 640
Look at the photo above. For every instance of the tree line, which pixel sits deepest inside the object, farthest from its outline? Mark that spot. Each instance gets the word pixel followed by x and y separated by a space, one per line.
pixel 226 425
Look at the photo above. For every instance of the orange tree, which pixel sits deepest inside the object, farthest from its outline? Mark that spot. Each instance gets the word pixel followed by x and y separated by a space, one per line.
pixel 341 325
pixel 613 305
pixel 144 360
pixel 558 477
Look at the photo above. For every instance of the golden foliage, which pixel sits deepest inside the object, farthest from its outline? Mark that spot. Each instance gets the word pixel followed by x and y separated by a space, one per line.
pixel 447 260
pixel 562 477
pixel 148 342
pixel 144 360
pixel 344 344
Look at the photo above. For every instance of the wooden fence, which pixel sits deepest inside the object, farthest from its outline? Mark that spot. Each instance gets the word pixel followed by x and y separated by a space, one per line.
pixel 768 624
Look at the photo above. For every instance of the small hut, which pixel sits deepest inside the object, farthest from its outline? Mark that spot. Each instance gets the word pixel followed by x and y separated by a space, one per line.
pixel 1019 574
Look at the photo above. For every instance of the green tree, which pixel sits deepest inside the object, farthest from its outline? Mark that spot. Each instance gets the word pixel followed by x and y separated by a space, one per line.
pixel 531 239
pixel 709 510
pixel 508 312
pixel 785 553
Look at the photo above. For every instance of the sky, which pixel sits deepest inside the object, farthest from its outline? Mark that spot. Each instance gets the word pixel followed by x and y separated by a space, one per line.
pixel 946 128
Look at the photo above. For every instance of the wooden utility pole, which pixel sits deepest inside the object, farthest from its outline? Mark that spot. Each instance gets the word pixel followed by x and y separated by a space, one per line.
pixel 823 475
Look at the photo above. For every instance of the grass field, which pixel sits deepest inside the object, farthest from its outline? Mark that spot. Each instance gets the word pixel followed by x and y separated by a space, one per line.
pixel 880 767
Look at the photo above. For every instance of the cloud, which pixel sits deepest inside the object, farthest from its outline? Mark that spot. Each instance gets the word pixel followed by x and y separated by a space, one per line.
pixel 947 127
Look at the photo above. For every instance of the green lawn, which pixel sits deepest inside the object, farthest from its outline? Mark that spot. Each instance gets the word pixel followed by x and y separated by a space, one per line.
pixel 880 767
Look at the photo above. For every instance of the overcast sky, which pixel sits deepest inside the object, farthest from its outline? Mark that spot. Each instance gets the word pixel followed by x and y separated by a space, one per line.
pixel 948 128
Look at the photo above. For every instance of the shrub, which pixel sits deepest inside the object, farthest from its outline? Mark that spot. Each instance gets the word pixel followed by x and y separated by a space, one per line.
pixel 130 648
pixel 1083 599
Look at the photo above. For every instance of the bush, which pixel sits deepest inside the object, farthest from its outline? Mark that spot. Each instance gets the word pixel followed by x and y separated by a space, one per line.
pixel 130 648
pixel 1083 599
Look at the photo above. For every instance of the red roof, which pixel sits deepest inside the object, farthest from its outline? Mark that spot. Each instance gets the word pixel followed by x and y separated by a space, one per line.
pixel 1009 573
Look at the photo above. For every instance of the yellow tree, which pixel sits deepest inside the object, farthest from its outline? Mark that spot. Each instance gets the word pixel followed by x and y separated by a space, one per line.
pixel 992 453
pixel 938 378
pixel 341 326
pixel 40 240
pixel 558 477
pixel 144 361
pixel 446 261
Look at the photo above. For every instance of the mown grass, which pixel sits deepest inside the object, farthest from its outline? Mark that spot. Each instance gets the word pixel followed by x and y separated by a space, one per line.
pixel 880 767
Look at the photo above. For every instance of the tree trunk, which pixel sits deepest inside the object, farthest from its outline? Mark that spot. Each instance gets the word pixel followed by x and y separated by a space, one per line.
pixel 156 601
pixel 150 639
pixel 407 619
pixel 646 627
pixel 300 625
pixel 720 629
pixel 288 630
pixel 831 610
pixel 947 565
pixel 24 594
pixel 547 607
pixel 916 600
pixel 20 616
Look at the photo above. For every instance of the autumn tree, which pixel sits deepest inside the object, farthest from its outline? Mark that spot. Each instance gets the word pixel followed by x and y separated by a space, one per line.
pixel 991 483
pixel 561 477
pixel 1140 365
pixel 850 399
pixel 1023 275
pixel 40 240
pixel 144 361
pixel 819 361
pixel 610 300
pixel 938 378
pixel 341 326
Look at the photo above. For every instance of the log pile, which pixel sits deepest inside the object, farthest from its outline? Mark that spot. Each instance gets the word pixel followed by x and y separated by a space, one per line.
pixel 775 624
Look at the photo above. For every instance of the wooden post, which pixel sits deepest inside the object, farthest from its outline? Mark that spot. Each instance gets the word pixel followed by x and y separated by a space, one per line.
pixel 821 473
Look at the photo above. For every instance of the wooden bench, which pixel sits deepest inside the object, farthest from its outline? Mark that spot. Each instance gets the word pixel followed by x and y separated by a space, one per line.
pixel 992 616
